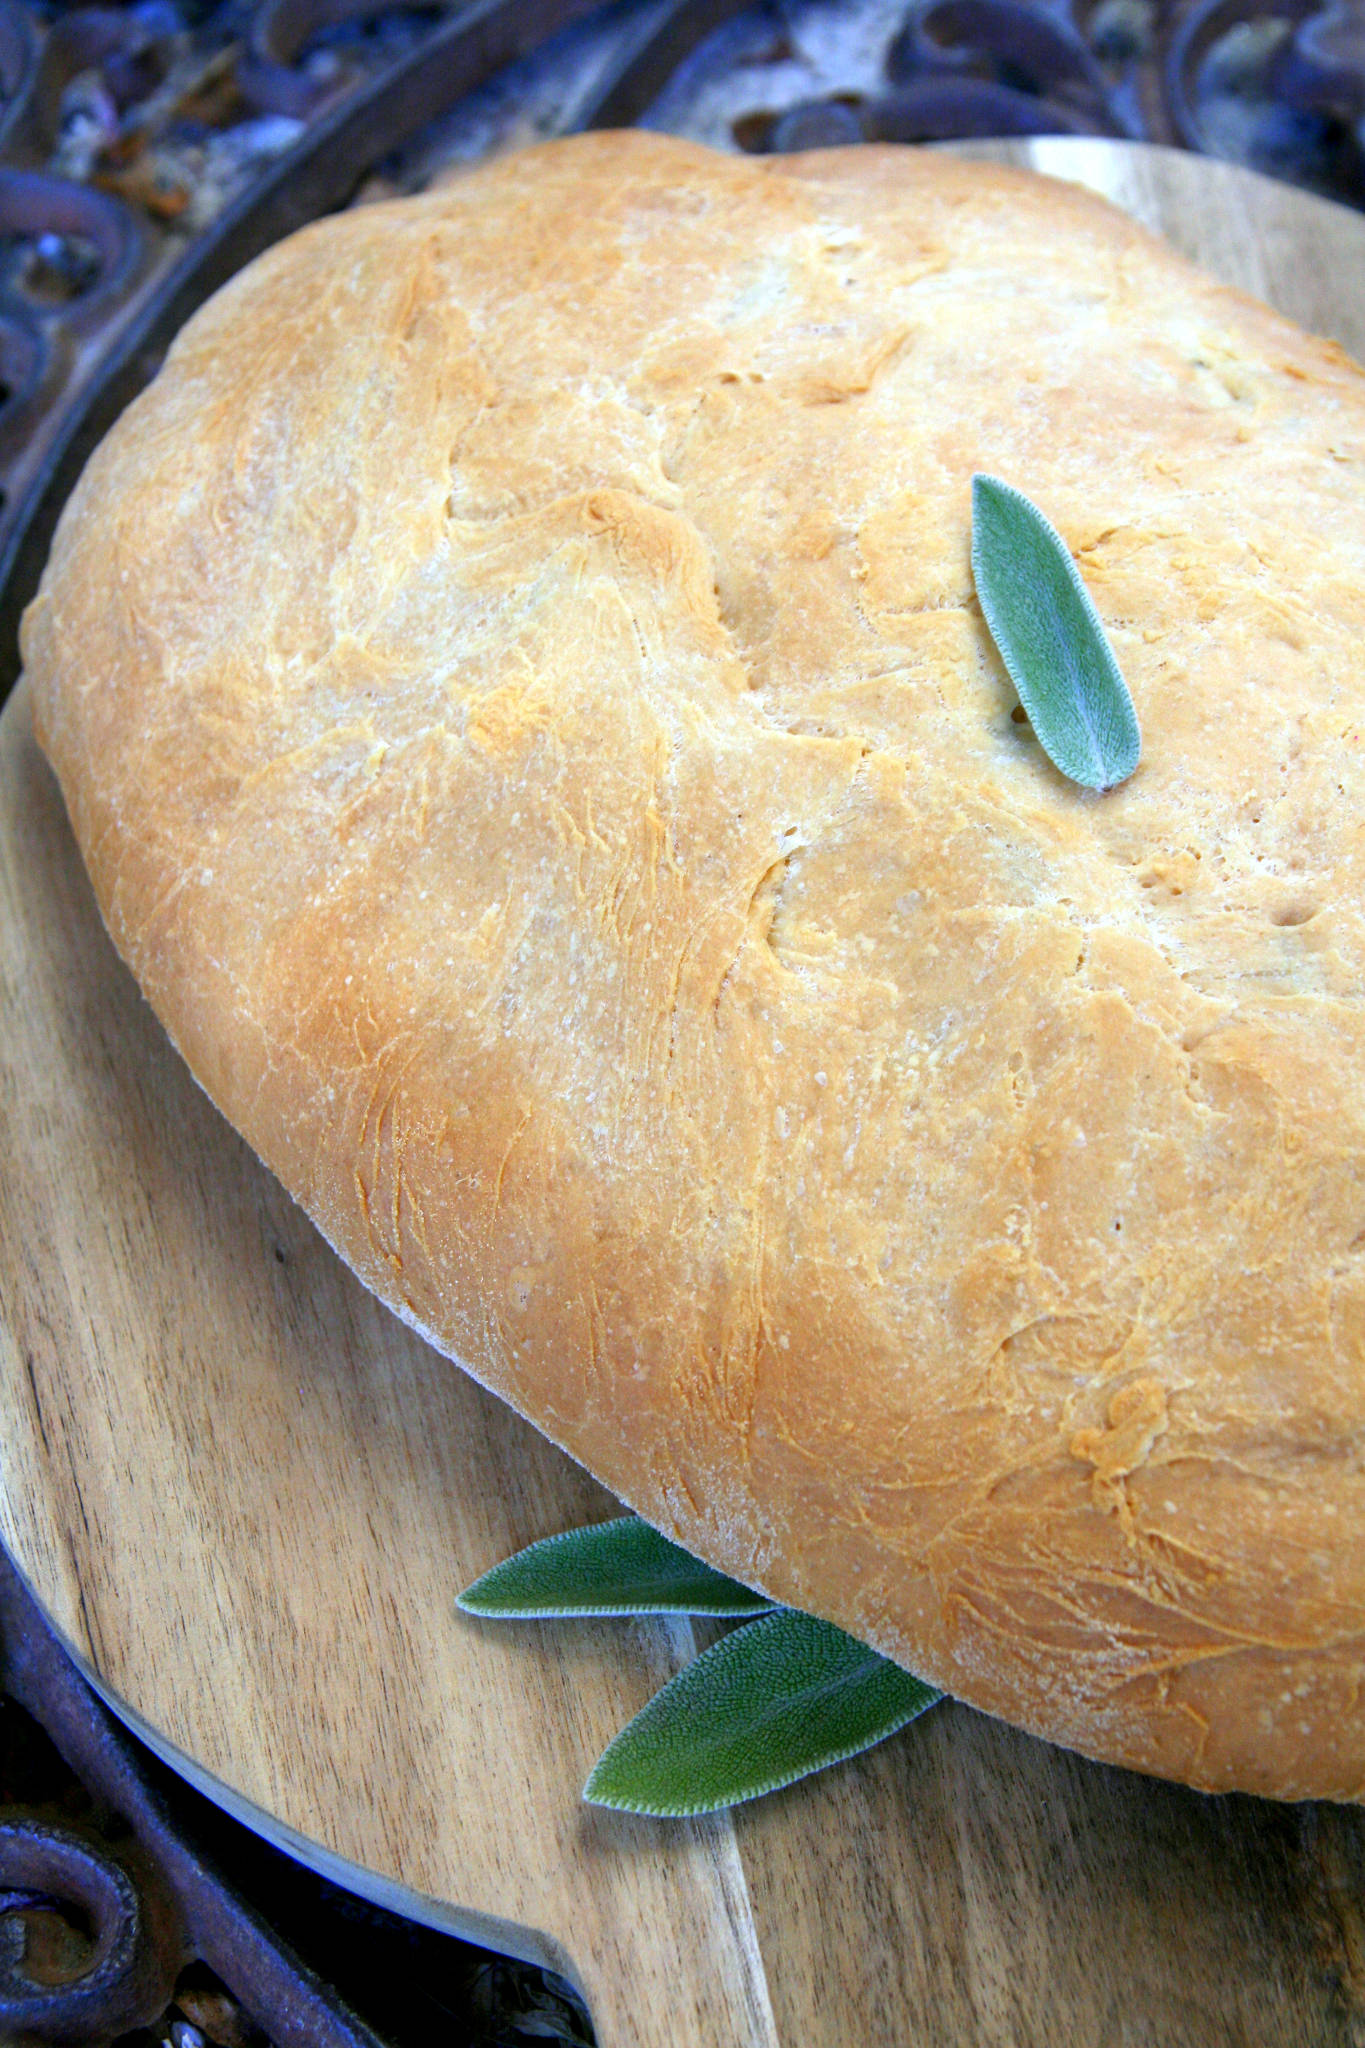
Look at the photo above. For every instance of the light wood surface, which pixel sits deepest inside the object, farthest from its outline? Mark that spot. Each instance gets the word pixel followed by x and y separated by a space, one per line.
pixel 246 1497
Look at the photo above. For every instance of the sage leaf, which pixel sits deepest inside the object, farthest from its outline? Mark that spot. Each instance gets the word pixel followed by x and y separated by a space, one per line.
pixel 768 1704
pixel 1042 620
pixel 619 1567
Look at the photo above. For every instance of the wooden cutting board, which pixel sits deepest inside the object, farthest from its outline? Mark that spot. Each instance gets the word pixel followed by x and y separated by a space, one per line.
pixel 246 1496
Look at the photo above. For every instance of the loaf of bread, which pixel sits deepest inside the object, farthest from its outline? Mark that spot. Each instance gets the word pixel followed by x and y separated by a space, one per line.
pixel 517 683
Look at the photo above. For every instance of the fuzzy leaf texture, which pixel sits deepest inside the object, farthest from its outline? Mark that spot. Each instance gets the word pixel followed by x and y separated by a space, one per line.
pixel 768 1704
pixel 619 1567
pixel 1050 639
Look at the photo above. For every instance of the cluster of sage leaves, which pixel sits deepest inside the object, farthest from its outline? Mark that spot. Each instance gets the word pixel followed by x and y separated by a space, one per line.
pixel 786 1694
pixel 775 1699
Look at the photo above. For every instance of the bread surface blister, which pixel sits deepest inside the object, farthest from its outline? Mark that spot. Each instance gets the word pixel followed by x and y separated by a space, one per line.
pixel 518 687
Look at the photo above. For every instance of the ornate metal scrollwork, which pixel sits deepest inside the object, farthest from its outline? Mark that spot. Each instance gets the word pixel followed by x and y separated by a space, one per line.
pixel 135 1941
pixel 1276 84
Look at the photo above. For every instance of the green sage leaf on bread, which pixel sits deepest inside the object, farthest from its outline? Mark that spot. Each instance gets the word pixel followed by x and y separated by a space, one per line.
pixel 618 1567
pixel 770 1703
pixel 1050 639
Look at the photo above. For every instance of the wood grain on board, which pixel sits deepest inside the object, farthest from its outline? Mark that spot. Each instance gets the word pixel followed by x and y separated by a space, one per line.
pixel 246 1496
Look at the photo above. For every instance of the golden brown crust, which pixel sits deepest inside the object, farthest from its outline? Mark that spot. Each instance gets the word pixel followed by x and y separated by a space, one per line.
pixel 517 685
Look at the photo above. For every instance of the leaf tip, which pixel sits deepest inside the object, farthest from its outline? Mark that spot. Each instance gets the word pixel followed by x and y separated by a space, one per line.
pixel 599 1792
pixel 468 1602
